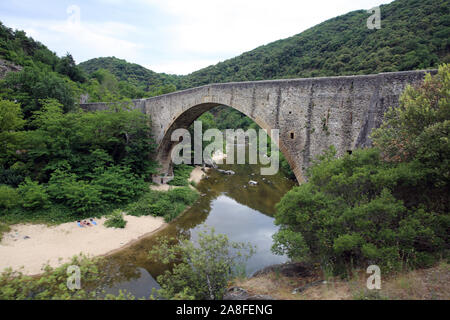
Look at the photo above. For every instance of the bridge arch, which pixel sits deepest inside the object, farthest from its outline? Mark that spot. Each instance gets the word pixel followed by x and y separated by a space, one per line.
pixel 187 117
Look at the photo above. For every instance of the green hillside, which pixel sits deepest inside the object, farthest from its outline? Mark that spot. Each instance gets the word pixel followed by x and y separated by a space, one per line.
pixel 141 77
pixel 414 34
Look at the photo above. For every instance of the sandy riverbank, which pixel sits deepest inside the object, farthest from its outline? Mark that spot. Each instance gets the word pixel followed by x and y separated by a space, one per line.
pixel 33 245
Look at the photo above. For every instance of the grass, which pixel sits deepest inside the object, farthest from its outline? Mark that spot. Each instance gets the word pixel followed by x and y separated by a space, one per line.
pixel 4 228
pixel 422 284
pixel 181 173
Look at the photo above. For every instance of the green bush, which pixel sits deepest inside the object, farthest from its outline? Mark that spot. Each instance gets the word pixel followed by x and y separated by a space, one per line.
pixel 79 195
pixel 9 197
pixel 34 195
pixel 181 173
pixel 163 204
pixel 200 271
pixel 116 220
pixel 52 283
pixel 118 184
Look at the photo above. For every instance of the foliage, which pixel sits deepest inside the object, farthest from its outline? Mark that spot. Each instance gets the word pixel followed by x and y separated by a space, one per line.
pixel 3 229
pixel 68 67
pixel 365 208
pixel 181 173
pixel 34 195
pixel 31 85
pixel 116 220
pixel 10 123
pixel 83 161
pixel 9 197
pixel 52 284
pixel 201 271
pixel 163 204
pixel 151 82
pixel 419 128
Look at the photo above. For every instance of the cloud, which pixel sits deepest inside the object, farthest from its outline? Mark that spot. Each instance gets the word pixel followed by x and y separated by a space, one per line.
pixel 233 26
pixel 83 39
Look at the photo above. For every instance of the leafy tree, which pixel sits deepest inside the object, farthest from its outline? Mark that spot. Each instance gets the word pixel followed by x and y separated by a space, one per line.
pixel 31 86
pixel 68 67
pixel 9 197
pixel 10 123
pixel 419 127
pixel 200 271
pixel 34 195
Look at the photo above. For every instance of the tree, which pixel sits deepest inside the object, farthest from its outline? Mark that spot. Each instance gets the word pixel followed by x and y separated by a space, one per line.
pixel 68 67
pixel 10 122
pixel 31 85
pixel 419 128
pixel 201 271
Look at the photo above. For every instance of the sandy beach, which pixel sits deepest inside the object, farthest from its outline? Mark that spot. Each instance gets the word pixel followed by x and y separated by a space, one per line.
pixel 33 245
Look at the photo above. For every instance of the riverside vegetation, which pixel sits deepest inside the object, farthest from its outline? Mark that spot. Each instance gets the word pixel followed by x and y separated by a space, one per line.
pixel 386 205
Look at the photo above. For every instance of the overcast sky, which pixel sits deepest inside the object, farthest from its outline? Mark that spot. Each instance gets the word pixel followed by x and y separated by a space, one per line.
pixel 171 36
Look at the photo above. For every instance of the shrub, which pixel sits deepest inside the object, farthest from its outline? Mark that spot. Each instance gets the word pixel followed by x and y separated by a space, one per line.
pixel 163 204
pixel 9 197
pixel 118 184
pixel 181 173
pixel 79 195
pixel 116 220
pixel 358 210
pixel 11 177
pixel 34 195
pixel 52 283
pixel 200 271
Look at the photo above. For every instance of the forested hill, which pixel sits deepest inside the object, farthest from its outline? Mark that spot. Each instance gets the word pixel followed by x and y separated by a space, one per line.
pixel 132 72
pixel 414 34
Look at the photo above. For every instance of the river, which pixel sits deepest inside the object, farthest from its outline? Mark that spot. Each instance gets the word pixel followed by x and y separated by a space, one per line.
pixel 228 204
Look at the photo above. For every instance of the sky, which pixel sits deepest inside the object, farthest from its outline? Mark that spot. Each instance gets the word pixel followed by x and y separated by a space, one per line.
pixel 171 36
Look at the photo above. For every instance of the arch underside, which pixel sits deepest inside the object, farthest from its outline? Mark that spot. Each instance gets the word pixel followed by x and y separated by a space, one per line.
pixel 184 120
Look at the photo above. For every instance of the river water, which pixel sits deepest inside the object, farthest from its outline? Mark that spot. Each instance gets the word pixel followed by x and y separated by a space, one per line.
pixel 228 204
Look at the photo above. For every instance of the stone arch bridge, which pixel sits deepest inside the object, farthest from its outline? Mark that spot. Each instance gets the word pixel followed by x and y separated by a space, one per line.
pixel 311 114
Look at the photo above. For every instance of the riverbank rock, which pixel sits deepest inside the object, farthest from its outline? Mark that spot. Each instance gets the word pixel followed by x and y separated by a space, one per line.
pixel 308 285
pixel 289 269
pixel 210 163
pixel 229 172
pixel 7 67
pixel 238 293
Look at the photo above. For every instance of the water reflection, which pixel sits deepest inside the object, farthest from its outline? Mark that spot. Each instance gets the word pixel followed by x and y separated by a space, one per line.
pixel 227 203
